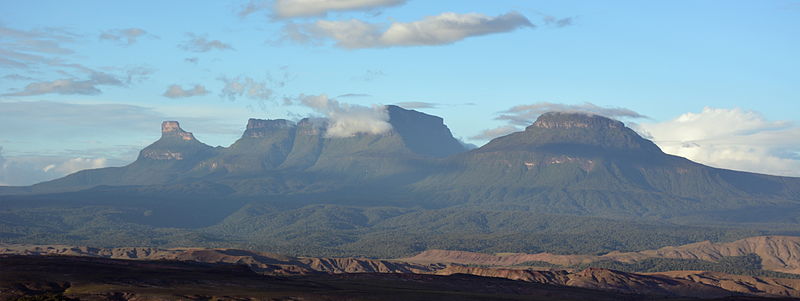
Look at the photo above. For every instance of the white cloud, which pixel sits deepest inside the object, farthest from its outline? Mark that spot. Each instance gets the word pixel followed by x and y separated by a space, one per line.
pixel 127 36
pixel 202 44
pixel 75 164
pixel 176 91
pixel 245 87
pixel 730 138
pixel 525 115
pixel 346 120
pixel 312 8
pixel 28 170
pixel 417 105
pixel 70 86
pixel 521 116
pixel 443 29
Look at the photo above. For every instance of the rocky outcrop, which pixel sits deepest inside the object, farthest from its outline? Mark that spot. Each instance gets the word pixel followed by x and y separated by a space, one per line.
pixel 774 287
pixel 261 262
pixel 693 284
pixel 777 253
pixel 601 279
pixel 173 128
pixel 472 258
pixel 175 145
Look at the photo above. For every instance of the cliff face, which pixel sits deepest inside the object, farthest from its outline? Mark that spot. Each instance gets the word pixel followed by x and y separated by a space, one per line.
pixel 422 133
pixel 281 145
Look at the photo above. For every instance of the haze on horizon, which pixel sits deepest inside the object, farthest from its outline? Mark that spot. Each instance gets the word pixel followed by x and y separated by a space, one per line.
pixel 87 84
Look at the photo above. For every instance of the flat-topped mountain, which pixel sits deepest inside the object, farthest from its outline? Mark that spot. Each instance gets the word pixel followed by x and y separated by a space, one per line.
pixel 576 133
pixel 589 164
pixel 567 182
pixel 269 146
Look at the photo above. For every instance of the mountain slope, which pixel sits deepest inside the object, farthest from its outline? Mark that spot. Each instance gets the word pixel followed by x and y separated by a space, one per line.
pixel 164 161
pixel 587 164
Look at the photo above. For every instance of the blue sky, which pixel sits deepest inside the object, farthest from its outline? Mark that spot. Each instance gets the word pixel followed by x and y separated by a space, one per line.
pixel 83 83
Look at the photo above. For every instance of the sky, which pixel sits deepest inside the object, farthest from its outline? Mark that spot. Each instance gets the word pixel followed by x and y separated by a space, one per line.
pixel 86 84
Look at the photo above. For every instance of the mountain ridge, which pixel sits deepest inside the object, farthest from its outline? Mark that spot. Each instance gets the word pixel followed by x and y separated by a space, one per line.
pixel 290 187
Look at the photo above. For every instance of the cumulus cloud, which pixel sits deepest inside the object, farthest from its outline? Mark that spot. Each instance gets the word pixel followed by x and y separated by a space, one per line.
pixel 730 138
pixel 127 36
pixel 176 91
pixel 313 8
pixel 346 120
pixel 245 87
pixel 443 29
pixel 70 86
pixel 198 43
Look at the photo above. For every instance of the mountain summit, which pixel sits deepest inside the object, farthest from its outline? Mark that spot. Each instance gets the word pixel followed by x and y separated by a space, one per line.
pixel 575 133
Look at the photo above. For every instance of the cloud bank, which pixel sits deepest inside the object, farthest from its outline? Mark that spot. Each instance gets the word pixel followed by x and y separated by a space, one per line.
pixel 417 105
pixel 70 86
pixel 35 50
pixel 18 171
pixel 521 116
pixel 730 138
pixel 176 91
pixel 346 120
pixel 525 115
pixel 446 28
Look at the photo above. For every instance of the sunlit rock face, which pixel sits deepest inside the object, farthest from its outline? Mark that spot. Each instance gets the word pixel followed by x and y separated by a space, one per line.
pixel 173 128
pixel 162 155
